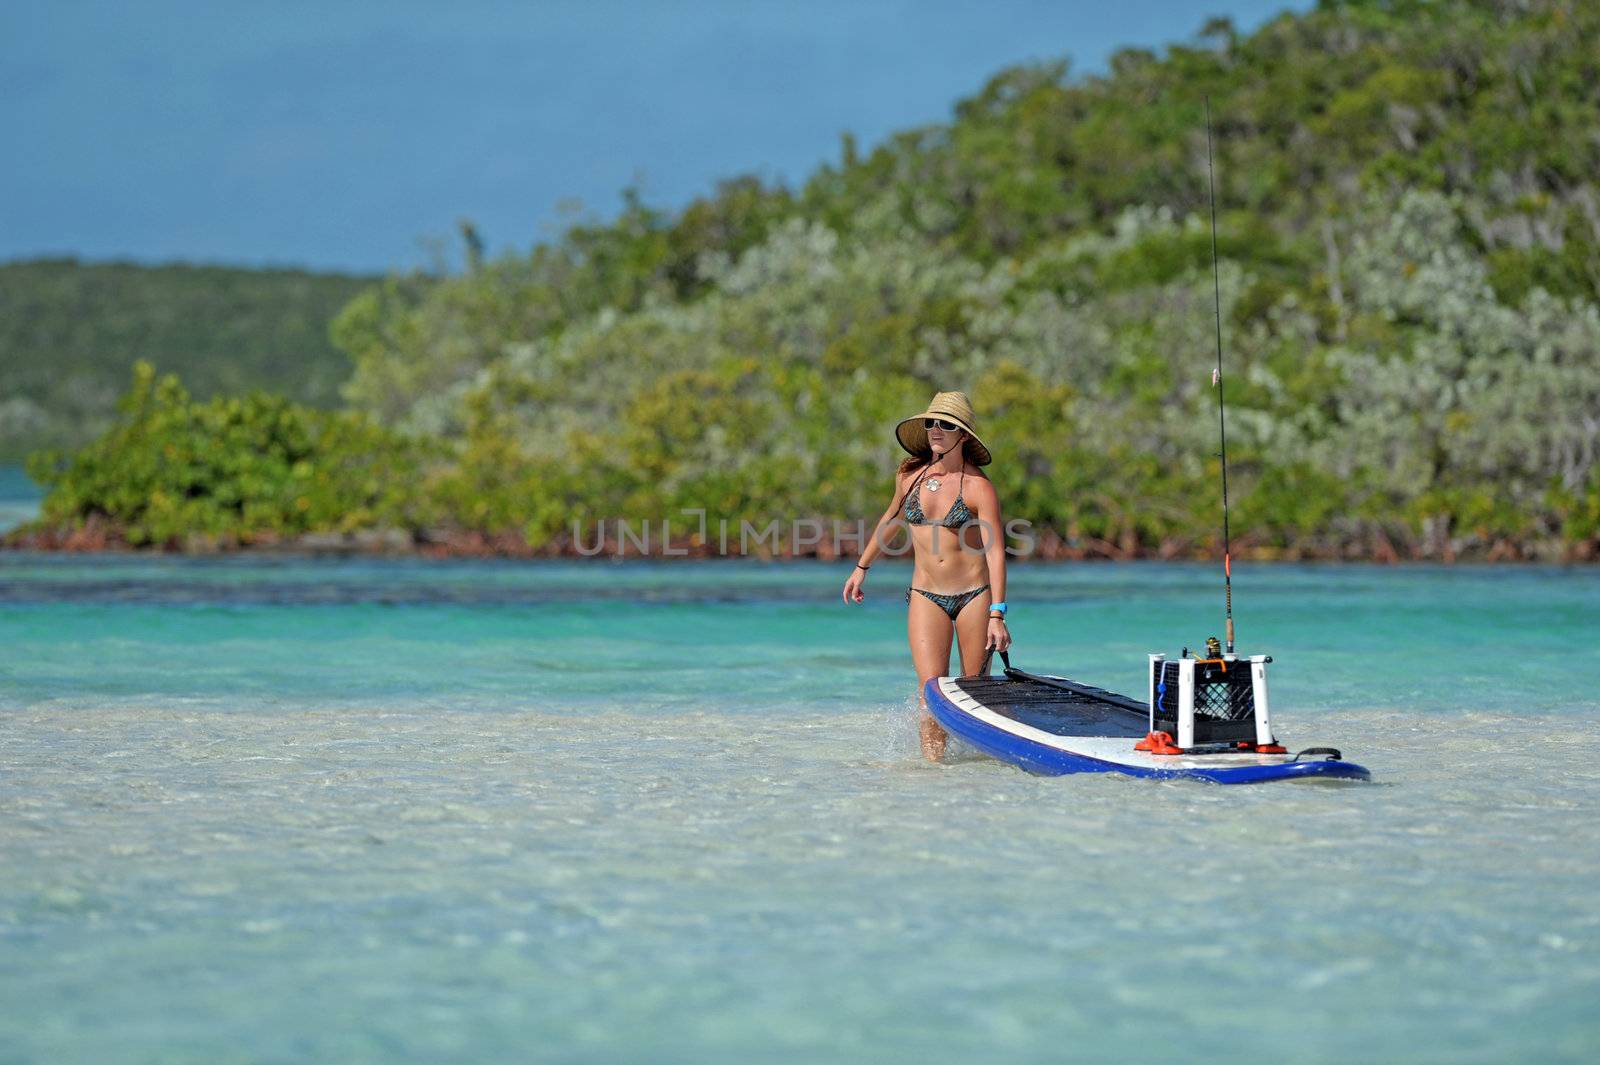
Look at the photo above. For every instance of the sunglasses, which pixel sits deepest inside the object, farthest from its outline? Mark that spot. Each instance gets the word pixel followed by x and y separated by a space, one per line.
pixel 949 427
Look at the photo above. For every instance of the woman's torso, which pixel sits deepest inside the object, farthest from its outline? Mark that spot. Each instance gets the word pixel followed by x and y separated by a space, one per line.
pixel 947 551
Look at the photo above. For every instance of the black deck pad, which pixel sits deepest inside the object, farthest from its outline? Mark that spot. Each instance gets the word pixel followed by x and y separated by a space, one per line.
pixel 1061 707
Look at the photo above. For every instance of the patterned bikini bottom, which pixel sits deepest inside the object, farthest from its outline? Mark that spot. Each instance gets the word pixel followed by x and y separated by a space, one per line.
pixel 950 604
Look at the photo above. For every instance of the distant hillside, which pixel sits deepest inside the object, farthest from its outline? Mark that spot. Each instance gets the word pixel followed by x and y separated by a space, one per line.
pixel 70 333
pixel 1409 229
pixel 1408 217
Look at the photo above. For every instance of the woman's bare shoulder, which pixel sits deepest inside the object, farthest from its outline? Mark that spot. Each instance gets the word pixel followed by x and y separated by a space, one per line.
pixel 980 482
pixel 980 487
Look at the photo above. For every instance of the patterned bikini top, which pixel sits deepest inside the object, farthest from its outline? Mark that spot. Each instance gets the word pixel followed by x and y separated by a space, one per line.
pixel 957 516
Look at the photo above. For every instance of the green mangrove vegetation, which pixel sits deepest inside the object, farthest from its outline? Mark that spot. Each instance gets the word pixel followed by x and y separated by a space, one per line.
pixel 256 468
pixel 1409 235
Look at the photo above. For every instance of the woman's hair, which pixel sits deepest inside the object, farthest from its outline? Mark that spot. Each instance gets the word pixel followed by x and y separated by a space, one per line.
pixel 914 462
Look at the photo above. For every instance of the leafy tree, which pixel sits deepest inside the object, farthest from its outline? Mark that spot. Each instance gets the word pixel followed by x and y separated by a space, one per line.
pixel 232 470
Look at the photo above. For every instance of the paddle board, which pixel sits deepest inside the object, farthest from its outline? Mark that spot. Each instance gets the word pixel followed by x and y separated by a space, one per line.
pixel 1052 726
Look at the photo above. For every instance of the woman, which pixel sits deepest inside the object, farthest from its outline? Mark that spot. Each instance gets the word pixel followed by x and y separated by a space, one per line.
pixel 958 581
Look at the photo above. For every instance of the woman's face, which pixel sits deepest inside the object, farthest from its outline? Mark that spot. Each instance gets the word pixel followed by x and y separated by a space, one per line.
pixel 943 440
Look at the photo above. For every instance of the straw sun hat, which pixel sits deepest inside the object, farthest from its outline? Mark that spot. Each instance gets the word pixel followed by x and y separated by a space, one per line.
pixel 952 407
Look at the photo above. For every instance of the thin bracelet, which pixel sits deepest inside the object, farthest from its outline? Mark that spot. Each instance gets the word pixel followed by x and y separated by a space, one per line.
pixel 859 566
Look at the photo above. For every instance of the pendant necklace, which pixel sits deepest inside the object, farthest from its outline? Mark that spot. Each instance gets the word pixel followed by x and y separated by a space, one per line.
pixel 933 484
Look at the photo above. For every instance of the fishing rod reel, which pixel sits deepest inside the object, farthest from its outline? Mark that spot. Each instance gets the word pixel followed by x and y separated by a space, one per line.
pixel 1214 703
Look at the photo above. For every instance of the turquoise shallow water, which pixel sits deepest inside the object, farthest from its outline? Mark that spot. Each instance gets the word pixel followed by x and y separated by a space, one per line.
pixel 274 810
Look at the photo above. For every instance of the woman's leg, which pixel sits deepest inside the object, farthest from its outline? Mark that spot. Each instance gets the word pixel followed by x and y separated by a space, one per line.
pixel 972 632
pixel 930 630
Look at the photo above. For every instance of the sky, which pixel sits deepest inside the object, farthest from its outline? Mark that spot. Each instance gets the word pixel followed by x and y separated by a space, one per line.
pixel 348 135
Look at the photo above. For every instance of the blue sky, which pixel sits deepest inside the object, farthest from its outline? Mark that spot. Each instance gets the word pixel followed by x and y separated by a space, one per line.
pixel 352 135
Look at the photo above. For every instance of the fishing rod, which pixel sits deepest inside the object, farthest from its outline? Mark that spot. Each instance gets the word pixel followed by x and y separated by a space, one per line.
pixel 1216 379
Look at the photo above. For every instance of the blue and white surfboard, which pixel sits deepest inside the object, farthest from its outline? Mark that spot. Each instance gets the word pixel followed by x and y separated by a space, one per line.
pixel 1052 726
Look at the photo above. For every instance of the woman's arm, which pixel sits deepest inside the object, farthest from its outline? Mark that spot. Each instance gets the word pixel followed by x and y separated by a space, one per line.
pixel 992 525
pixel 874 545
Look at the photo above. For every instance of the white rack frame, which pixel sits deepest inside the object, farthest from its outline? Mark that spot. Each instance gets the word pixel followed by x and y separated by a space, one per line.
pixel 1258 687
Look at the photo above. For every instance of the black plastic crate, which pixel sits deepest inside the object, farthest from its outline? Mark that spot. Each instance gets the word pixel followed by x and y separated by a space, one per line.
pixel 1224 701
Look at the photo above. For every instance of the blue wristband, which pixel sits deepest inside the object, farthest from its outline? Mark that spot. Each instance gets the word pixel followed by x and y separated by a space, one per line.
pixel 998 608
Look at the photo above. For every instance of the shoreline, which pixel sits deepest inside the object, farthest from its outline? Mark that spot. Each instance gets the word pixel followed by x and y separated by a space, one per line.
pixel 97 539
